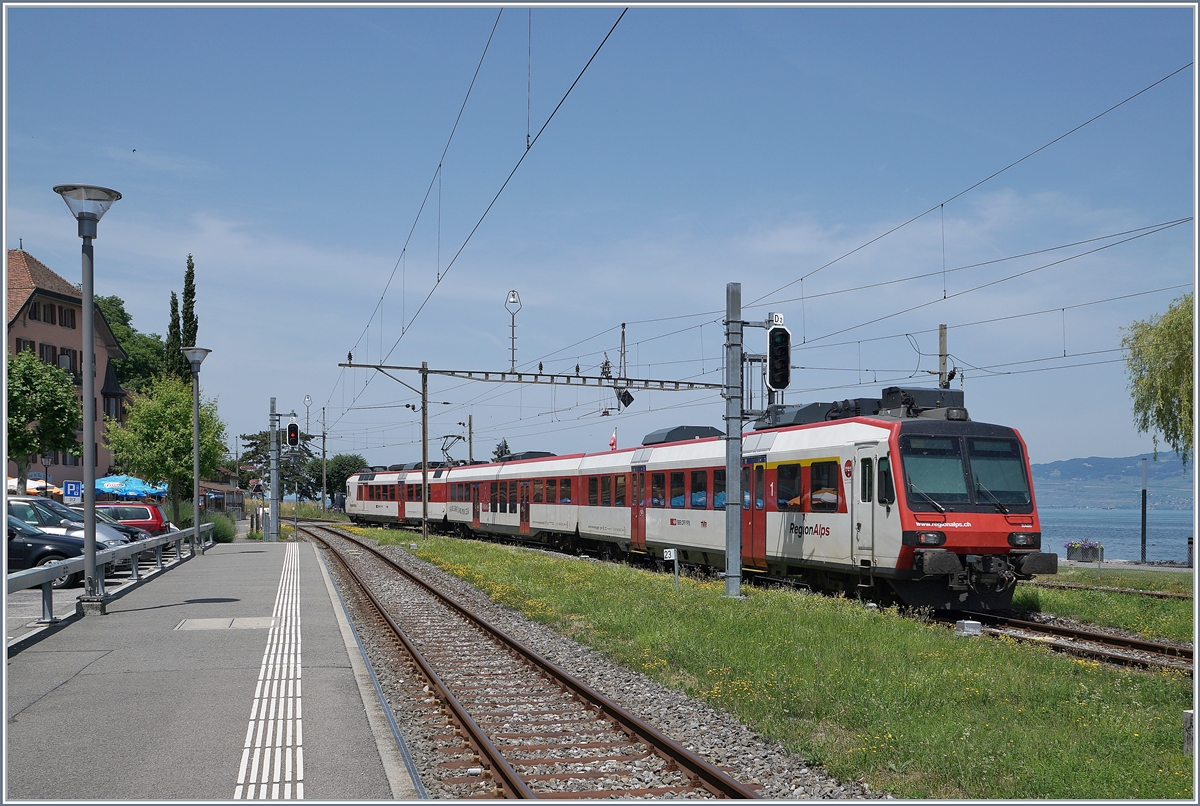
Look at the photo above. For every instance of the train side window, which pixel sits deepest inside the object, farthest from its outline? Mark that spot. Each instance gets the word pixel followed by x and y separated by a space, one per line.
pixel 494 501
pixel 866 475
pixel 564 487
pixel 619 490
pixel 887 488
pixel 719 488
pixel 551 491
pixel 760 491
pixel 512 496
pixel 787 483
pixel 824 480
pixel 606 491
pixel 658 489
pixel 593 495
pixel 537 491
pixel 699 498
pixel 677 491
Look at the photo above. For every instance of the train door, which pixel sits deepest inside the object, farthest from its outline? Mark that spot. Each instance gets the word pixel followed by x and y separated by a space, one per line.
pixel 475 506
pixel 862 502
pixel 523 507
pixel 754 515
pixel 637 502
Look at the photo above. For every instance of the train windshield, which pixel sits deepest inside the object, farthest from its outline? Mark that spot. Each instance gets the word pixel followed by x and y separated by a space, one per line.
pixel 998 470
pixel 950 472
pixel 933 472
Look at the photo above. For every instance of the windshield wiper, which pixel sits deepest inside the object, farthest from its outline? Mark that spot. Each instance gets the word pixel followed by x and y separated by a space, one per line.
pixel 924 495
pixel 991 495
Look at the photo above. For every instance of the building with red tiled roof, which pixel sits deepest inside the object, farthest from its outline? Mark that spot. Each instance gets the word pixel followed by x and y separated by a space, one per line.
pixel 45 315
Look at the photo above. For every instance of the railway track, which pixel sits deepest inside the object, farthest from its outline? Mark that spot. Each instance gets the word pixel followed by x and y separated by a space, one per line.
pixel 1107 589
pixel 508 722
pixel 1103 646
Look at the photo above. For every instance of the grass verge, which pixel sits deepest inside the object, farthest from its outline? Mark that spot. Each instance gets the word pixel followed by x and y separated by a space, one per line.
pixel 871 695
pixel 1171 619
pixel 308 509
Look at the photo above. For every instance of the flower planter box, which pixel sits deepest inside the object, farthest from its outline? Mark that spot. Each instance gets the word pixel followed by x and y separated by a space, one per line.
pixel 1090 554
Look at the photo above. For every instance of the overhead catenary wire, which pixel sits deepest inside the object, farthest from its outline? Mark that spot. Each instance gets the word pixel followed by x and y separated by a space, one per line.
pixel 758 302
pixel 492 203
pixel 963 192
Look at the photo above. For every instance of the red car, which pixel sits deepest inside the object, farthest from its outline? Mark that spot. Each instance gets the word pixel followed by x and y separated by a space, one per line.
pixel 144 516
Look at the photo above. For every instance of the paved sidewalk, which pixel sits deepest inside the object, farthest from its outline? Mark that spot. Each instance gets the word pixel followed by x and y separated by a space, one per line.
pixel 229 675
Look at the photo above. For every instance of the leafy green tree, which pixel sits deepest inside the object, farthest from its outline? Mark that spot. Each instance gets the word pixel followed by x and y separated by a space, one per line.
pixel 338 469
pixel 43 411
pixel 190 324
pixel 501 450
pixel 1158 361
pixel 174 360
pixel 155 441
pixel 145 351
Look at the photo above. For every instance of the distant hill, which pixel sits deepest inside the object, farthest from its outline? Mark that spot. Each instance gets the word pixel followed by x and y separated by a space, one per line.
pixel 1099 482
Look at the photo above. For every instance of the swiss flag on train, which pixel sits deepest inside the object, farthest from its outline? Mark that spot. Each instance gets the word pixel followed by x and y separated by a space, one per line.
pixel 612 441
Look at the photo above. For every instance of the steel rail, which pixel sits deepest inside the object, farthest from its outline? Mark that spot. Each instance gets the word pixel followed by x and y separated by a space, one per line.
pixel 711 778
pixel 507 777
pixel 1107 639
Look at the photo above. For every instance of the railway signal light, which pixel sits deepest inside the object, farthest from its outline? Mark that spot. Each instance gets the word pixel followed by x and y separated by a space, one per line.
pixel 293 434
pixel 779 358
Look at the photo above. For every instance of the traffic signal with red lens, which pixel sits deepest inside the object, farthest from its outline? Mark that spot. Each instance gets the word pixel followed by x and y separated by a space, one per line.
pixel 293 434
pixel 779 358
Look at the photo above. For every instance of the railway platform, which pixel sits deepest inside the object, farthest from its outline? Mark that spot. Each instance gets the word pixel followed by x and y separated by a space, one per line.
pixel 234 676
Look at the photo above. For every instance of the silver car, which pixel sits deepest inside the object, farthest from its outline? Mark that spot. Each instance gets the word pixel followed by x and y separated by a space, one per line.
pixel 57 519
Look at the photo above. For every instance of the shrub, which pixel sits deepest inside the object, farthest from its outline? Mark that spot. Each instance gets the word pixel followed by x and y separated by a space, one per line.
pixel 224 528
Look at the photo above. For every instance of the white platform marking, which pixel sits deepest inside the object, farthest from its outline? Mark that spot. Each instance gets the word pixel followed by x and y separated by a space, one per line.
pixel 269 735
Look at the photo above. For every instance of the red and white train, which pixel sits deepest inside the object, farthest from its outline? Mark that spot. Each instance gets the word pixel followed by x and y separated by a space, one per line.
pixel 900 499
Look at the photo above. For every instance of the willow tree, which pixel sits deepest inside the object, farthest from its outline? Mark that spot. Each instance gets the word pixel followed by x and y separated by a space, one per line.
pixel 1158 361
pixel 155 441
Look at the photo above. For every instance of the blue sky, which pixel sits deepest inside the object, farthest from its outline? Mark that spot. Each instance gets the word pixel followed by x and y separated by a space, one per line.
pixel 289 151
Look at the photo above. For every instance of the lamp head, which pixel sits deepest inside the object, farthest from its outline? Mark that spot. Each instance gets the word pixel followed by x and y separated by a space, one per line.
pixel 88 203
pixel 514 299
pixel 307 401
pixel 196 356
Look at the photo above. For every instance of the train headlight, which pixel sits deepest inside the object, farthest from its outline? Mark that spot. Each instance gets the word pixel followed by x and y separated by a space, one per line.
pixel 1025 540
pixel 957 413
pixel 924 538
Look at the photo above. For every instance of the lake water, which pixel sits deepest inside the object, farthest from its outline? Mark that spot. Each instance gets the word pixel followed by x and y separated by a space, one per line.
pixel 1119 531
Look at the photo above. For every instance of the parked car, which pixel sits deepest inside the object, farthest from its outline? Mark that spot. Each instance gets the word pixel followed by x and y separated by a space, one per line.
pixel 55 518
pixel 29 547
pixel 130 531
pixel 144 516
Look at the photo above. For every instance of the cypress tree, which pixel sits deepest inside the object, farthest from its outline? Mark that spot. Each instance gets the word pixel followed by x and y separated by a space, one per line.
pixel 190 323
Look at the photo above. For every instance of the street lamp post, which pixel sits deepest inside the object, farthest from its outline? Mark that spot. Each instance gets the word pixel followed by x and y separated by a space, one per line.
pixel 88 204
pixel 195 356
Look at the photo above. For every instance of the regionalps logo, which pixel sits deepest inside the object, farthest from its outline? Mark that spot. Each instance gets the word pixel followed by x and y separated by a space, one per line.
pixel 812 530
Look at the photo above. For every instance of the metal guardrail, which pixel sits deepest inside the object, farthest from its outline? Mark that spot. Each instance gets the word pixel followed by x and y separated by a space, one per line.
pixel 43 576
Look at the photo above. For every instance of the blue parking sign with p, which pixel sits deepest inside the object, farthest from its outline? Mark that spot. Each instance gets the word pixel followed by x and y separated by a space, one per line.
pixel 72 492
